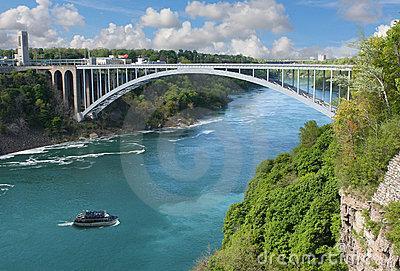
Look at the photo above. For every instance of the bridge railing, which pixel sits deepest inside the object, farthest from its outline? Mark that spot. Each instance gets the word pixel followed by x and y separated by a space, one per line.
pixel 233 66
pixel 59 62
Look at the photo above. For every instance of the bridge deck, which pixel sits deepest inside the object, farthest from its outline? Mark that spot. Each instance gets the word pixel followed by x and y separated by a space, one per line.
pixel 233 66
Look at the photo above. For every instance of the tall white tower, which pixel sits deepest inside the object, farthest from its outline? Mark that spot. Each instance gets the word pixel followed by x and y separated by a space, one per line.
pixel 23 49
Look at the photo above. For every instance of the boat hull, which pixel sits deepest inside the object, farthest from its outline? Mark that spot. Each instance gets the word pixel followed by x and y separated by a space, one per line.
pixel 96 224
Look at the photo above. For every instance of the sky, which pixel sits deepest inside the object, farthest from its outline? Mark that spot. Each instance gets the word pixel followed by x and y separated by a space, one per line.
pixel 258 28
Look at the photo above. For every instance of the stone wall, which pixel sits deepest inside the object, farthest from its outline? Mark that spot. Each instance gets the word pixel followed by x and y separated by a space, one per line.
pixel 363 241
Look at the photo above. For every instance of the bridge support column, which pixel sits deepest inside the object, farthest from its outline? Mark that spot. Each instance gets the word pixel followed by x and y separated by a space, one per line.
pixel 308 80
pixel 98 85
pixel 268 75
pixel 331 91
pixel 136 73
pixel 108 81
pixel 117 78
pixel 298 81
pixel 53 78
pixel 254 73
pixel 292 78
pixel 101 83
pixel 126 75
pixel 84 88
pixel 323 84
pixel 283 78
pixel 77 98
pixel 314 86
pixel 65 87
pixel 92 85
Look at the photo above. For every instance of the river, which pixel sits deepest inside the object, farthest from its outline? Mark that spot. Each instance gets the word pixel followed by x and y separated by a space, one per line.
pixel 171 189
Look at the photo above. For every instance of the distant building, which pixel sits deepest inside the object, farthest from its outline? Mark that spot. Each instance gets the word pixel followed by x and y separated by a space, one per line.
pixel 322 57
pixel 22 56
pixel 141 60
pixel 110 60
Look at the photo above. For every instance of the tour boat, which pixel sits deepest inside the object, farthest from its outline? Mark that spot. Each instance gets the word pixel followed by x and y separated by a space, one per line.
pixel 95 219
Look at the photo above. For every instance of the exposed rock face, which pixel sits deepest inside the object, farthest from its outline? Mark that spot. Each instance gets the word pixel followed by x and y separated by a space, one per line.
pixel 363 241
pixel 389 189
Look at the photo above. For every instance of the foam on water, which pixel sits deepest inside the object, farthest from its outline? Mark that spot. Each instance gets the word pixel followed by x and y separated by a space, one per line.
pixel 116 224
pixel 67 160
pixel 204 122
pixel 70 145
pixel 205 132
pixel 4 188
pixel 26 152
pixel 65 224
pixel 176 140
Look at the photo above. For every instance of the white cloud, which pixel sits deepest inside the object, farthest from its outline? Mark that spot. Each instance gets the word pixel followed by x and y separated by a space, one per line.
pixel 187 37
pixel 265 15
pixel 235 23
pixel 360 11
pixel 381 30
pixel 283 48
pixel 344 50
pixel 214 11
pixel 164 18
pixel 67 16
pixel 114 36
pixel 252 46
pixel 40 22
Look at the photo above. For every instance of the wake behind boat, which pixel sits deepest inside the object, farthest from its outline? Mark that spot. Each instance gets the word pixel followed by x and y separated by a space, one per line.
pixel 95 219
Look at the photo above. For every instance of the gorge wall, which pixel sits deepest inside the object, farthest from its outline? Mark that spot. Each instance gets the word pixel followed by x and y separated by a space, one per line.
pixel 363 232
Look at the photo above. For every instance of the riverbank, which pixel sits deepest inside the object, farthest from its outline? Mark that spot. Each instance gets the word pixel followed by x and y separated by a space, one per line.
pixel 26 139
pixel 33 116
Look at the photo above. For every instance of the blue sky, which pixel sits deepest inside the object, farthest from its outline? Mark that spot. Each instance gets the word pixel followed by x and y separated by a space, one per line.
pixel 261 28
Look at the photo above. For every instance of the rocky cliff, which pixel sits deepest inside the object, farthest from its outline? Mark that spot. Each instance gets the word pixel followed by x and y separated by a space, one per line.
pixel 363 235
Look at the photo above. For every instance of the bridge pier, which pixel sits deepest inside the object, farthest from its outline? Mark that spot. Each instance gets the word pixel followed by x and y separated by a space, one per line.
pixel 314 85
pixel 298 81
pixel 323 84
pixel 331 91
pixel 292 78
pixel 65 80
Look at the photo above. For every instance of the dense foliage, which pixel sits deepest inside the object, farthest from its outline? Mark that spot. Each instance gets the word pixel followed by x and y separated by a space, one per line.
pixel 368 126
pixel 27 97
pixel 169 56
pixel 290 210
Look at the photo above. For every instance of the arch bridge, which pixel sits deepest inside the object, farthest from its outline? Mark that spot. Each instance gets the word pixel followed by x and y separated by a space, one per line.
pixel 89 89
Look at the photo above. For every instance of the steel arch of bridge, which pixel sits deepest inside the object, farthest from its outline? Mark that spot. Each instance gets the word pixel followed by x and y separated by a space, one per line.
pixel 97 93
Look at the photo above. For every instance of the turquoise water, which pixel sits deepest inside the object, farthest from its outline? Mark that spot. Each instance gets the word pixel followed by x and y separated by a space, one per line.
pixel 171 189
